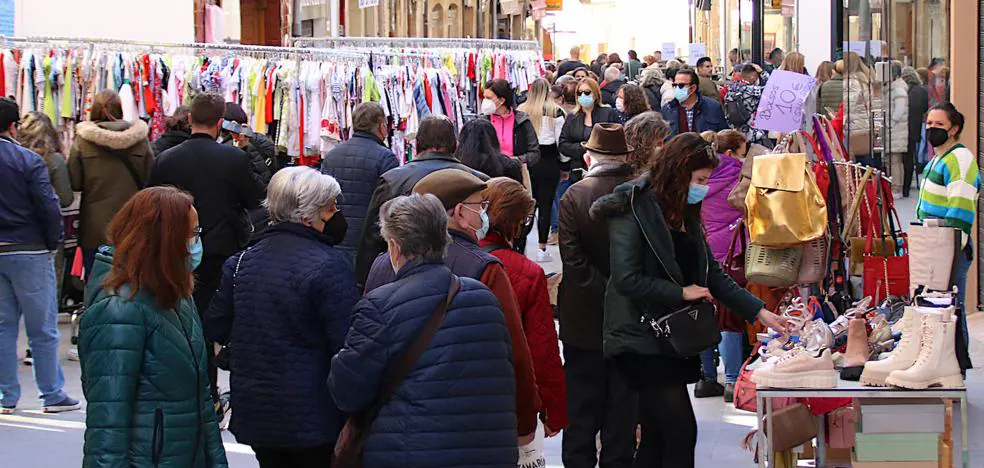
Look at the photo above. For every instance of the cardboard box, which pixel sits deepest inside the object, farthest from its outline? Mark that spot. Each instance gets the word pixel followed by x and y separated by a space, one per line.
pixel 895 416
pixel 897 447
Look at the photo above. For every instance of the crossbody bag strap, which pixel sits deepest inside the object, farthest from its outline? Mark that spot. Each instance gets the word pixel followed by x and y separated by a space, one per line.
pixel 399 373
pixel 493 247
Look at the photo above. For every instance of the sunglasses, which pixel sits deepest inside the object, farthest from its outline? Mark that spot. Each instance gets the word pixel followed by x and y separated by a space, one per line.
pixel 584 93
pixel 681 85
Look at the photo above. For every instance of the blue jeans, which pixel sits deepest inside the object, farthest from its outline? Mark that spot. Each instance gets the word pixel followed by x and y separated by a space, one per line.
pixel 960 281
pixel 561 188
pixel 731 353
pixel 27 288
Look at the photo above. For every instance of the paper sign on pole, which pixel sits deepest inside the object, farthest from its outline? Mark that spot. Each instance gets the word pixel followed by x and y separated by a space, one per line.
pixel 781 107
pixel 368 3
pixel 697 51
pixel 858 47
pixel 7 17
pixel 669 50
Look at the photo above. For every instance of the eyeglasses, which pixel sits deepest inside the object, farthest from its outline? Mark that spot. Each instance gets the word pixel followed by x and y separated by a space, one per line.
pixel 681 85
pixel 584 93
pixel 198 233
pixel 484 204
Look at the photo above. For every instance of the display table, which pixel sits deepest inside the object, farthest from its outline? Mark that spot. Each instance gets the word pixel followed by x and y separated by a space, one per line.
pixel 847 389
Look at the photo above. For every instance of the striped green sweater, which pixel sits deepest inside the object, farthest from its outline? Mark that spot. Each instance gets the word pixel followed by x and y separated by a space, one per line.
pixel 949 189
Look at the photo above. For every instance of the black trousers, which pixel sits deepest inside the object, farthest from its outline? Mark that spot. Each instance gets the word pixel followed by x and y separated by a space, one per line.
pixel 544 176
pixel 208 275
pixel 598 399
pixel 909 166
pixel 308 457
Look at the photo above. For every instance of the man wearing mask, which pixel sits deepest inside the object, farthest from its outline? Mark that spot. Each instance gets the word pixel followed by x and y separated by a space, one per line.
pixel 705 70
pixel 220 177
pixel 613 81
pixel 689 111
pixel 30 229
pixel 436 143
pixel 598 400
pixel 468 222
pixel 357 165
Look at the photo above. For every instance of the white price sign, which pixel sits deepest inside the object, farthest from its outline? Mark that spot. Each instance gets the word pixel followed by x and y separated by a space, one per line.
pixel 697 51
pixel 669 50
pixel 368 3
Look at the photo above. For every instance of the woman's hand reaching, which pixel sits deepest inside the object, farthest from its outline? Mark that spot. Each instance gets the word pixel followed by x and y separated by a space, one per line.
pixel 772 320
pixel 695 293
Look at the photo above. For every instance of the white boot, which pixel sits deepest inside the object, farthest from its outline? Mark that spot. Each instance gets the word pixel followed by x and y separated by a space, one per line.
pixel 936 365
pixel 904 355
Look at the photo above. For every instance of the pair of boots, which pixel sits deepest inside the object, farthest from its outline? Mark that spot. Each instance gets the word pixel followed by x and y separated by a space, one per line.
pixel 924 358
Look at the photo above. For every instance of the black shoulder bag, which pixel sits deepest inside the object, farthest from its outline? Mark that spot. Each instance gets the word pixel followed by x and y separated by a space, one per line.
pixel 348 448
pixel 690 329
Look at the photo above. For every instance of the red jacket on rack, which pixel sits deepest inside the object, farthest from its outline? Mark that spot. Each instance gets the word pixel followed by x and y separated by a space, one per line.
pixel 529 283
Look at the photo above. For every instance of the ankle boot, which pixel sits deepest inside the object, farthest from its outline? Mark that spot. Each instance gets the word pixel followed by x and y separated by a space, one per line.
pixel 857 350
pixel 904 355
pixel 936 365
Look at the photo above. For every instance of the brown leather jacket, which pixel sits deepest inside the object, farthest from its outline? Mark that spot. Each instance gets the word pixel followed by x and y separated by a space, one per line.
pixel 585 255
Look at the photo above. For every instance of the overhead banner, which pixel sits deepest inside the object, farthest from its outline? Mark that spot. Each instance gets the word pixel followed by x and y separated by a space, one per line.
pixel 781 107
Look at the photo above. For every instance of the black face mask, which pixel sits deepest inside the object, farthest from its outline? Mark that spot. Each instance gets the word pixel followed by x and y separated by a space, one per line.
pixel 937 136
pixel 335 228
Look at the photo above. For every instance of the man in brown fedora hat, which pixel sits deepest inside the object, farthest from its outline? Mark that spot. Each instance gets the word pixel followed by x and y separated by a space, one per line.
pixel 461 193
pixel 597 397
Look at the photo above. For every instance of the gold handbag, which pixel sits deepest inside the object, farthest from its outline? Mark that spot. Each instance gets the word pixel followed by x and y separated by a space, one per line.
pixel 785 206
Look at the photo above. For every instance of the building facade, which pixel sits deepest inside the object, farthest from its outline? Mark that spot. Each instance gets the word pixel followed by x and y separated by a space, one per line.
pixel 502 19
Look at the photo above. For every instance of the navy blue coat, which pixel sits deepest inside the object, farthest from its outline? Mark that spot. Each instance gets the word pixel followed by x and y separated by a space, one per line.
pixel 708 115
pixel 457 406
pixel 30 216
pixel 357 164
pixel 286 313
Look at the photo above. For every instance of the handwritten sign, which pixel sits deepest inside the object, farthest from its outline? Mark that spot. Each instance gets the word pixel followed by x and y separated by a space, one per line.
pixel 669 50
pixel 781 107
pixel 697 51
pixel 368 3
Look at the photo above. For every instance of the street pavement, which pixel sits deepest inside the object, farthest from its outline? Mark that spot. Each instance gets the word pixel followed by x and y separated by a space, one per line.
pixel 32 439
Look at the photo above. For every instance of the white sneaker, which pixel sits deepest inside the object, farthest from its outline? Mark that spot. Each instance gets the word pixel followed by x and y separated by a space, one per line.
pixel 543 256
pixel 73 353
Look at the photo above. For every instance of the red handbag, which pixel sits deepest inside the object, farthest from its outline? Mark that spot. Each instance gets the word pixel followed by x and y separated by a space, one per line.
pixel 885 276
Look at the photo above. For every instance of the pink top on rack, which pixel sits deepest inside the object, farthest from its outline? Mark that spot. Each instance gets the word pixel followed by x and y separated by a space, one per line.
pixel 504 125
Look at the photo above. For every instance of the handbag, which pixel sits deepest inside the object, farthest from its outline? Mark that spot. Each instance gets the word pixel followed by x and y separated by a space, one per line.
pixel 785 206
pixel 792 426
pixel 348 448
pixel 932 254
pixel 734 263
pixel 690 329
pixel 840 427
pixel 885 276
pixel 776 267
pixel 815 261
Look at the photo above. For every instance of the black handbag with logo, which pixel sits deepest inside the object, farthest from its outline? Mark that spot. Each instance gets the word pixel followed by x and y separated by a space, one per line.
pixel 690 329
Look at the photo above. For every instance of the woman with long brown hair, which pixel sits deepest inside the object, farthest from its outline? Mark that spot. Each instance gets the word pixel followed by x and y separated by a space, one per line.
pixel 140 341
pixel 109 161
pixel 653 222
pixel 38 134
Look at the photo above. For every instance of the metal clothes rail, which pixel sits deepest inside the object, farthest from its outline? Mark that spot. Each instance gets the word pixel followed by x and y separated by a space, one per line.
pixel 420 42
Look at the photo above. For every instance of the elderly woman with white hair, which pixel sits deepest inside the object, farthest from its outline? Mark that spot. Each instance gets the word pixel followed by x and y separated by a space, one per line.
pixel 450 399
pixel 282 311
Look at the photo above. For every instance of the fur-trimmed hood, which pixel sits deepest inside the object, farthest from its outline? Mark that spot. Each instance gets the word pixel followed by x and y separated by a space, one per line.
pixel 117 135
pixel 619 201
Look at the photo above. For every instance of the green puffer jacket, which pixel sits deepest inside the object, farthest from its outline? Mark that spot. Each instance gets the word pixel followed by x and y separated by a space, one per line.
pixel 646 276
pixel 145 380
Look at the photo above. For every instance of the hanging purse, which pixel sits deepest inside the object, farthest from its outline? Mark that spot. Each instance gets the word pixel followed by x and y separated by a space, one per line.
pixel 785 206
pixel 690 329
pixel 734 263
pixel 885 276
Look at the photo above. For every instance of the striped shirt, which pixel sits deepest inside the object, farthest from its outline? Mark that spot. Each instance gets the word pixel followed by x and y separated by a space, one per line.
pixel 949 189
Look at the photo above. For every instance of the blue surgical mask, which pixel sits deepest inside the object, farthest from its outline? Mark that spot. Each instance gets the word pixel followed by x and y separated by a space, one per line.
pixel 483 231
pixel 195 252
pixel 696 193
pixel 585 101
pixel 681 94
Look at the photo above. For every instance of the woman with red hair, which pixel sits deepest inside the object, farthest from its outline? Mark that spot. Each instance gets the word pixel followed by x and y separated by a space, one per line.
pixel 141 345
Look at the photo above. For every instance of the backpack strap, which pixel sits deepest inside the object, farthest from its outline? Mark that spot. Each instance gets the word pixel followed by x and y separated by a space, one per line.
pixel 493 247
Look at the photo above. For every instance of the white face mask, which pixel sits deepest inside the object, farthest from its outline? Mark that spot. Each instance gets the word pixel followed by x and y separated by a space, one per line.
pixel 488 107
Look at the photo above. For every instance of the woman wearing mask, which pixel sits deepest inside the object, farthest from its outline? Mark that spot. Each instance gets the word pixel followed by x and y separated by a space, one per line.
pixel 630 101
pixel 109 161
pixel 663 206
pixel 720 222
pixel 456 404
pixel 548 121
pixel 509 207
pixel 515 131
pixel 306 324
pixel 140 342
pixel 949 192
pixel 897 113
pixel 645 134
pixel 478 148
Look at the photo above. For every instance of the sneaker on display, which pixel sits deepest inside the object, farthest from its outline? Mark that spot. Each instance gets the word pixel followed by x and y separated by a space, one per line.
pixel 904 356
pixel 799 369
pixel 543 256
pixel 708 388
pixel 68 404
pixel 936 365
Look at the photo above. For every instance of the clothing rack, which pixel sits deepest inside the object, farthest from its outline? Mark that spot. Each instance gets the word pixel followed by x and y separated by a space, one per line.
pixel 875 172
pixel 451 43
